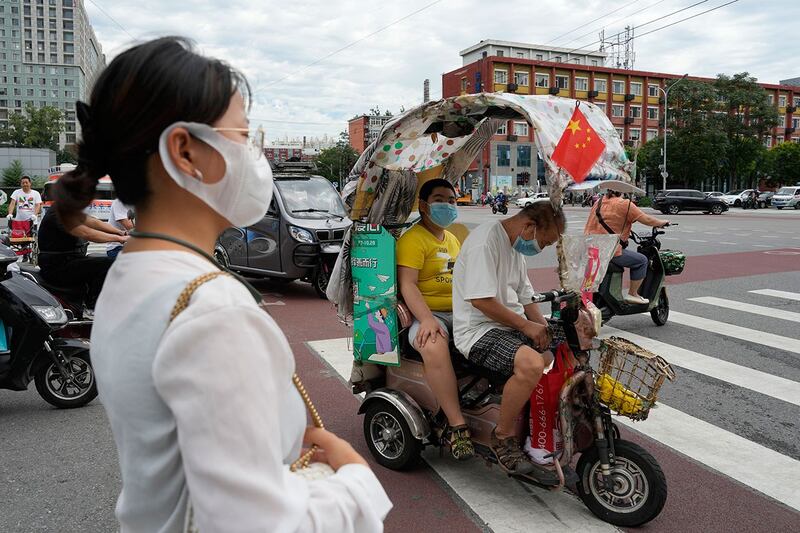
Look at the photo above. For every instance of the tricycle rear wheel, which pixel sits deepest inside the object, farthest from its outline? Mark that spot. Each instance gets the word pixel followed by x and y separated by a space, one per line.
pixel 640 487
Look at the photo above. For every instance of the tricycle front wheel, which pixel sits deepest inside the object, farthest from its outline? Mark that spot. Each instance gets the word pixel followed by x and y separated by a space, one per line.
pixel 639 488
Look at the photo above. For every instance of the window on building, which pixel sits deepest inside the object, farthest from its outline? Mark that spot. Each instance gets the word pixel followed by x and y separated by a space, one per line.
pixel 562 82
pixel 636 88
pixel 521 54
pixel 18 104
pixel 51 12
pixel 54 82
pixel 54 58
pixel 617 110
pixel 768 141
pixel 635 111
pixel 53 47
pixel 53 36
pixel 500 53
pixel 29 81
pixel 69 48
pixel 557 59
pixel 652 134
pixel 69 59
pixel 621 133
pixel 652 90
pixel 796 140
pixel 463 85
pixel 69 83
pixel 782 100
pixel 600 85
pixel 577 60
pixel 522 79
pixel 771 99
pixel 70 138
pixel 539 57
pixel 17 91
pixel 503 129
pixel 796 123
pixel 618 86
pixel 521 129
pixel 29 92
pixel 69 36
pixel 523 155
pixel 500 76
pixel 503 155
pixel 601 105
pixel 67 13
pixel 652 113
pixel 581 84
pixel 52 24
pixel 635 135
pixel 543 80
pixel 43 93
pixel 797 101
pixel 40 23
pixel 53 94
pixel 28 56
pixel 40 11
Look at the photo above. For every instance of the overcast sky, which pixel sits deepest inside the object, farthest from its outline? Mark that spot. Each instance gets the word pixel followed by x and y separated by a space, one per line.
pixel 272 42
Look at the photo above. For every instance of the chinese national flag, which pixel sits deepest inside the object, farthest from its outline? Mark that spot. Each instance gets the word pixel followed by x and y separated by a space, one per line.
pixel 579 148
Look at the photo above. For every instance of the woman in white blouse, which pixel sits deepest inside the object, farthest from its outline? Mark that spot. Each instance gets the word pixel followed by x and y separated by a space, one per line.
pixel 203 408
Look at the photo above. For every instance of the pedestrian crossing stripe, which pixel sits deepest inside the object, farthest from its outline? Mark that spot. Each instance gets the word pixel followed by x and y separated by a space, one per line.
pixel 778 294
pixel 748 308
pixel 778 342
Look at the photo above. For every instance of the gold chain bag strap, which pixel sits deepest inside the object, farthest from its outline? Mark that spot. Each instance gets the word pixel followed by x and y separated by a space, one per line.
pixel 301 465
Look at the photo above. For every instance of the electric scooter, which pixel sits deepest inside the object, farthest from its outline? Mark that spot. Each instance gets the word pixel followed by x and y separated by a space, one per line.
pixel 33 346
pixel 609 297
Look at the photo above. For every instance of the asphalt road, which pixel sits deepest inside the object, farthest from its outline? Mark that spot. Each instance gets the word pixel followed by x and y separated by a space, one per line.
pixel 58 469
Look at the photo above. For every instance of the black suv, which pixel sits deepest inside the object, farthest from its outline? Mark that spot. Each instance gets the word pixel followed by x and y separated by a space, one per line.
pixel 673 201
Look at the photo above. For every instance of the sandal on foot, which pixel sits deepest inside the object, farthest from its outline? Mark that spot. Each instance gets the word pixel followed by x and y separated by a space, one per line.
pixel 460 441
pixel 510 456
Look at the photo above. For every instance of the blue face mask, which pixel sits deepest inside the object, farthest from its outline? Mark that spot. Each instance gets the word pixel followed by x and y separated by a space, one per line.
pixel 527 247
pixel 443 214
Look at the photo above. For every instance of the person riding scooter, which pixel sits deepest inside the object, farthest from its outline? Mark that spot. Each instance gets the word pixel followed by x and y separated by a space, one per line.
pixel 62 253
pixel 612 214
pixel 425 257
pixel 496 323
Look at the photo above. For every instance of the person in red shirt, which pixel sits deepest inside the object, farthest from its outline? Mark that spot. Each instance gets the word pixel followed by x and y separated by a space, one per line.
pixel 612 214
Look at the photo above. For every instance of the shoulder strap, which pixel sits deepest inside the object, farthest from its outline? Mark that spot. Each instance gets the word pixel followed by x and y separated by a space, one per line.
pixel 600 217
pixel 186 295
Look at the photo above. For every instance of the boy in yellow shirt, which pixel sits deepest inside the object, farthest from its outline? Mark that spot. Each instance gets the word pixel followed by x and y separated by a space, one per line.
pixel 426 254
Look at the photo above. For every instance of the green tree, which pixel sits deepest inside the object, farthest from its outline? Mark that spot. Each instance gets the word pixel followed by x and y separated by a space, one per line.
pixel 13 174
pixel 782 164
pixel 336 161
pixel 66 156
pixel 34 128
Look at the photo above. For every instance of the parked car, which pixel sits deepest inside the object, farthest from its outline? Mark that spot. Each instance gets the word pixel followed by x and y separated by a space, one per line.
pixel 765 198
pixel 300 236
pixel 673 201
pixel 715 194
pixel 735 198
pixel 787 197
pixel 522 202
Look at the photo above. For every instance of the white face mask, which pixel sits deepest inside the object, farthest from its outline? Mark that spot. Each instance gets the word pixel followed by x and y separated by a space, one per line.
pixel 243 194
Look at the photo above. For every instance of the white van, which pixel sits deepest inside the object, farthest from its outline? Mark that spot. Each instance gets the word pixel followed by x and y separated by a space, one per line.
pixel 787 197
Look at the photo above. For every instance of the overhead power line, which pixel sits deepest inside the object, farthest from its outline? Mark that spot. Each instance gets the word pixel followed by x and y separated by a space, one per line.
pixel 353 43
pixel 112 19
pixel 682 20
pixel 641 25
pixel 614 22
pixel 593 20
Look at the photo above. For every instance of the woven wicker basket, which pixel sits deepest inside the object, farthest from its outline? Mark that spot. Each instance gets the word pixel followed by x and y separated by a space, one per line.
pixel 629 377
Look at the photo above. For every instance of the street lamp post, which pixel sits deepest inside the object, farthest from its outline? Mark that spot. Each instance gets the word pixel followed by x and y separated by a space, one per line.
pixel 664 172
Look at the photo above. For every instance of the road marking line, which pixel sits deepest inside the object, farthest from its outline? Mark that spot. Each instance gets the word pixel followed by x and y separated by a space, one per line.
pixel 742 234
pixel 769 236
pixel 748 308
pixel 503 504
pixel 761 382
pixel 779 294
pixel 713 233
pixel 778 342
pixel 696 240
pixel 759 467
pixel 731 243
pixel 762 246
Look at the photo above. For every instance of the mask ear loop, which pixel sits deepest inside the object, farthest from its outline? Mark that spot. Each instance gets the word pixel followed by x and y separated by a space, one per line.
pixel 198 175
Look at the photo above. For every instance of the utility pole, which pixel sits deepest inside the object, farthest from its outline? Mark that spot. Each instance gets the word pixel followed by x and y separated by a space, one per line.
pixel 664 173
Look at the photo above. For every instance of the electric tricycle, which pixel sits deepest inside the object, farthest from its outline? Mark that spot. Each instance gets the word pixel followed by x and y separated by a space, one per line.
pixel 618 480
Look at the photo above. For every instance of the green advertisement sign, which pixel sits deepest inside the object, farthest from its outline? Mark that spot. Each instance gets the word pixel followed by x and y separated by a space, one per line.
pixel 372 261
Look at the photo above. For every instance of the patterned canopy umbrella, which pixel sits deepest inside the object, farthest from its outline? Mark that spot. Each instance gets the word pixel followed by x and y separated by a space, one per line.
pixel 442 139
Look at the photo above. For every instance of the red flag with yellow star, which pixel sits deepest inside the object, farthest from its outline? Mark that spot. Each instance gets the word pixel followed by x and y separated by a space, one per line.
pixel 579 148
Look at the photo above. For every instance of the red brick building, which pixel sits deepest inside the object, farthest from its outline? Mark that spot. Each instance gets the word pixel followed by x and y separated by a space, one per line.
pixel 364 129
pixel 633 100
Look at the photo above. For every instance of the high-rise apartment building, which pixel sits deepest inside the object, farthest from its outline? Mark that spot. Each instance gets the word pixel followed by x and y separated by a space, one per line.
pixel 49 56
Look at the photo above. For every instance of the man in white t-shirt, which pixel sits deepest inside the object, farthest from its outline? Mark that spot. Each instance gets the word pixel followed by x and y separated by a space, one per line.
pixel 495 322
pixel 120 218
pixel 26 201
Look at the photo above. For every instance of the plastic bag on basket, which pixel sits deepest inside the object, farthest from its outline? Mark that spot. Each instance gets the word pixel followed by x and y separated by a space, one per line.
pixel 583 261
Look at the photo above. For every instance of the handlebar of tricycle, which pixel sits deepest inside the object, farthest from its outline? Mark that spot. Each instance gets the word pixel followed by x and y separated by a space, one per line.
pixel 548 296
